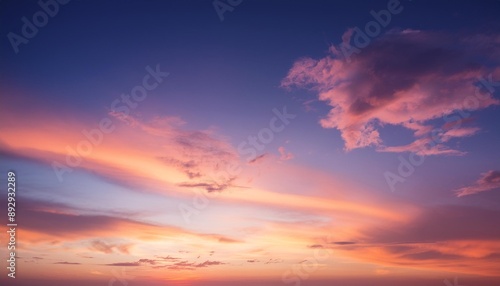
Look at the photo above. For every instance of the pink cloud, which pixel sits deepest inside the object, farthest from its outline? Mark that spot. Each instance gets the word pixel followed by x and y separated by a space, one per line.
pixel 402 79
pixel 425 146
pixel 284 155
pixel 487 182
pixel 199 154
pixel 462 132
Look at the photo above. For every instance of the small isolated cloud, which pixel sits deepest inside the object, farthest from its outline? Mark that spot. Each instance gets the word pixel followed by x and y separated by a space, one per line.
pixel 258 158
pixel 406 79
pixel 487 182
pixel 85 256
pixel 124 264
pixel 224 239
pixel 147 261
pixel 209 263
pixel 140 262
pixel 168 258
pixel 284 155
pixel 274 260
pixel 180 266
pixel 108 248
pixel 186 265
pixel 210 186
pixel 316 246
pixel 67 263
pixel 343 242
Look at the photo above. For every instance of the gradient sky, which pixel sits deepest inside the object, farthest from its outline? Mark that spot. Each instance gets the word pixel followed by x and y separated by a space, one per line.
pixel 376 168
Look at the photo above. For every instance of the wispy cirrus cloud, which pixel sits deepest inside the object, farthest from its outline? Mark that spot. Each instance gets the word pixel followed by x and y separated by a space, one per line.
pixel 168 258
pixel 343 242
pixel 186 265
pixel 210 187
pixel 124 264
pixel 108 248
pixel 197 153
pixel 140 262
pixel 162 144
pixel 49 222
pixel 403 78
pixel 487 182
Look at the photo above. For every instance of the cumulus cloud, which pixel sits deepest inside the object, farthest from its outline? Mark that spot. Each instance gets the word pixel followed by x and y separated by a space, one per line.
pixel 488 181
pixel 403 79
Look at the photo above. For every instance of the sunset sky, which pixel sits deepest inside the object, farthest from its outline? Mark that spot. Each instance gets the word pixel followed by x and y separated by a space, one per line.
pixel 239 142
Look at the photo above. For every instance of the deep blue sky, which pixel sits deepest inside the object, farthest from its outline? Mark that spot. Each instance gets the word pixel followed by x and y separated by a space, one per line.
pixel 92 51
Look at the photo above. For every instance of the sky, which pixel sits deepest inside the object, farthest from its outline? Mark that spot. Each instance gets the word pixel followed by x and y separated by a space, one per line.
pixel 250 142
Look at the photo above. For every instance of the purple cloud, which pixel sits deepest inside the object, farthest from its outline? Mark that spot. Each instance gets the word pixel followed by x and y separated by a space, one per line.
pixel 403 78
pixel 487 182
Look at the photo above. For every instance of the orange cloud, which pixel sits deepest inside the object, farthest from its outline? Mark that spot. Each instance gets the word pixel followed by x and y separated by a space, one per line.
pixel 472 246
pixel 444 256
pixel 41 225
